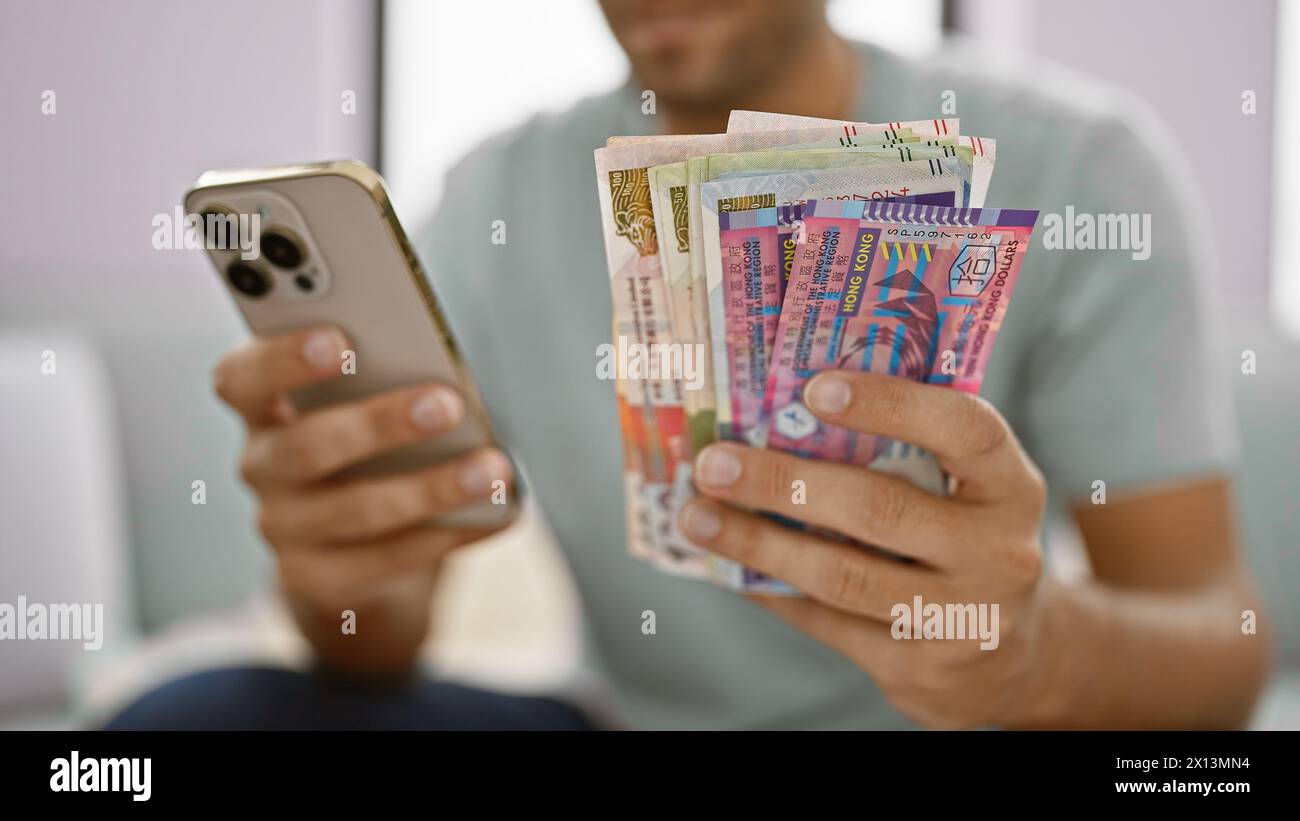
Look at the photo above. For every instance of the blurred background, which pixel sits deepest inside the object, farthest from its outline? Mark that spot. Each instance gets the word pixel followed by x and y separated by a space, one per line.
pixel 97 466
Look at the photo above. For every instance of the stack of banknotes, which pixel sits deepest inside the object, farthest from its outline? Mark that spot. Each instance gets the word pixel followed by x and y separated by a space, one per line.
pixel 740 264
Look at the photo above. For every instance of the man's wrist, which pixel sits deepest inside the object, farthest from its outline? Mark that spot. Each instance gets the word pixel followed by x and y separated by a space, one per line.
pixel 378 635
pixel 1046 696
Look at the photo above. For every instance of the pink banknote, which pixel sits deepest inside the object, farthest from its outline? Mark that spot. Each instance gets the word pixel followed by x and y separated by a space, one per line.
pixel 751 282
pixel 909 290
pixel 758 247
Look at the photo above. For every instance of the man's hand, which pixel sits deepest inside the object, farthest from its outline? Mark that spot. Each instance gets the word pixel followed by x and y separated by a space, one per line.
pixel 363 544
pixel 979 545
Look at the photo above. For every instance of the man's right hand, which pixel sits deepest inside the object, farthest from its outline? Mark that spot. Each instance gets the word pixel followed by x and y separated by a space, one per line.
pixel 362 544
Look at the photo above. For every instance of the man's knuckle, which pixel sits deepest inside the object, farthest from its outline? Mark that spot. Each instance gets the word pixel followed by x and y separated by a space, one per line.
pixel 1036 490
pixel 270 523
pixel 979 429
pixel 389 559
pixel 883 507
pixel 379 424
pixel 777 479
pixel 223 380
pixel 742 537
pixel 249 467
pixel 1026 563
pixel 347 441
pixel 380 507
pixel 304 454
pixel 440 491
pixel 847 581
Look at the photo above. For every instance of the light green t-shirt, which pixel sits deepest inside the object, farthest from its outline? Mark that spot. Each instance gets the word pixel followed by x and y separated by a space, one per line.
pixel 1103 365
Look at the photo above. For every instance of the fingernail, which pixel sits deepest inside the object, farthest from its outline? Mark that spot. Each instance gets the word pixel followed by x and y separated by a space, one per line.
pixel 477 477
pixel 827 394
pixel 322 350
pixel 436 410
pixel 700 522
pixel 718 467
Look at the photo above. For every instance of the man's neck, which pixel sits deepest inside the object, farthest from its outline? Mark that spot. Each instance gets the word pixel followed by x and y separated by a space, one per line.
pixel 826 85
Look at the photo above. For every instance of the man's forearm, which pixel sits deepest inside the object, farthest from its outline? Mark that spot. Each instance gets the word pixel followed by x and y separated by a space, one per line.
pixel 1123 658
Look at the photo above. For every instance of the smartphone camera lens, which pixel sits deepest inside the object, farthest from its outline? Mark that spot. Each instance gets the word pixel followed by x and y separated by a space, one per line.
pixel 248 280
pixel 282 251
pixel 304 283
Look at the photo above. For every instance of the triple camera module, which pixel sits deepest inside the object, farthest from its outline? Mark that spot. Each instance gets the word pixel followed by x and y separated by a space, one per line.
pixel 279 246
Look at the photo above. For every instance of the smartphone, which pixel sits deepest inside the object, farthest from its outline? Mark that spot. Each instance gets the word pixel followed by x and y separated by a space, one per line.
pixel 319 244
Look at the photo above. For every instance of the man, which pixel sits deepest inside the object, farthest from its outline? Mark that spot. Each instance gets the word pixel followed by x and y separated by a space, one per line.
pixel 1102 374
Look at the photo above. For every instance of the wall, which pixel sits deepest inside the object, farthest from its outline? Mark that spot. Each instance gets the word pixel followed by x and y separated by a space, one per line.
pixel 148 94
pixel 1191 60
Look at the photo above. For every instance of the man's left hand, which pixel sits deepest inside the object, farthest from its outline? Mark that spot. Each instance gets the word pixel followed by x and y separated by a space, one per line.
pixel 978 545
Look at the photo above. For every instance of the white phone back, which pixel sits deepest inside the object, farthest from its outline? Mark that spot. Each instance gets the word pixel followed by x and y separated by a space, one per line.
pixel 368 283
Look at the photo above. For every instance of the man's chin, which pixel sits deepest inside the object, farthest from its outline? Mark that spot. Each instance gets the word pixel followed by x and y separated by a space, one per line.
pixel 686 90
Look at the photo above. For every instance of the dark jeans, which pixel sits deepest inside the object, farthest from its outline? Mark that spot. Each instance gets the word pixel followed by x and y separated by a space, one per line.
pixel 261 698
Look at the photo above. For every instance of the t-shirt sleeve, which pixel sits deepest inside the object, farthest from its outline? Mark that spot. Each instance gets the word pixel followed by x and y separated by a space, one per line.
pixel 1126 380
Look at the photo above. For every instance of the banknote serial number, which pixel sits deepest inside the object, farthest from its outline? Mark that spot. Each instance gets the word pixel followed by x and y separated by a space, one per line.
pixel 1146 765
